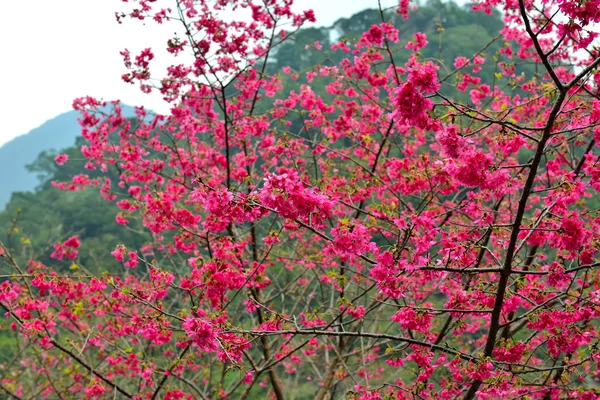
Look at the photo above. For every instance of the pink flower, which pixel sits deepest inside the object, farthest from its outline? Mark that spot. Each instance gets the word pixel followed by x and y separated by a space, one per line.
pixel 61 159
pixel 249 377
pixel 411 105
pixel 119 254
pixel 95 390
pixel 452 143
pixel 409 318
pixel 132 262
pixel 291 198
pixel 460 62
pixel 356 312
pixel 403 8
pixel 511 354
pixel 73 242
pixel 419 41
pixel 349 241
pixel 472 169
pixel 202 333
pixel 574 235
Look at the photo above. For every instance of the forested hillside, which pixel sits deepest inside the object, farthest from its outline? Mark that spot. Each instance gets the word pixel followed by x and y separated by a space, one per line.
pixel 55 134
pixel 451 31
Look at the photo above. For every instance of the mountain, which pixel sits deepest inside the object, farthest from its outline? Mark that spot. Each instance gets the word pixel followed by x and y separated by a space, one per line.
pixel 54 135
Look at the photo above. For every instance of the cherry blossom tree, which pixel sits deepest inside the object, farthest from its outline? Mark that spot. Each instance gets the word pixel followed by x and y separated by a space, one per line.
pixel 379 240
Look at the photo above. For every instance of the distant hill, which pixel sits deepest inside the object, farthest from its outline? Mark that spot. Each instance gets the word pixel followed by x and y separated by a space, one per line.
pixel 56 134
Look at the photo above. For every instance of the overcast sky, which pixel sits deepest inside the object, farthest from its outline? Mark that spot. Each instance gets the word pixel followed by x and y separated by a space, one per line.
pixel 56 50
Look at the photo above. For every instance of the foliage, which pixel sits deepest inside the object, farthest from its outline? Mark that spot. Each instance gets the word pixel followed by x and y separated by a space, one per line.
pixel 415 233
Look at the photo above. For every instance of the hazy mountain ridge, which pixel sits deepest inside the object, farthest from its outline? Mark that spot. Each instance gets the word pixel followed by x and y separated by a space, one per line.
pixel 53 135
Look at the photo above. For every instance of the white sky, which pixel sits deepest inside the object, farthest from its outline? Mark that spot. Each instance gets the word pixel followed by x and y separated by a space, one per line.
pixel 56 50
